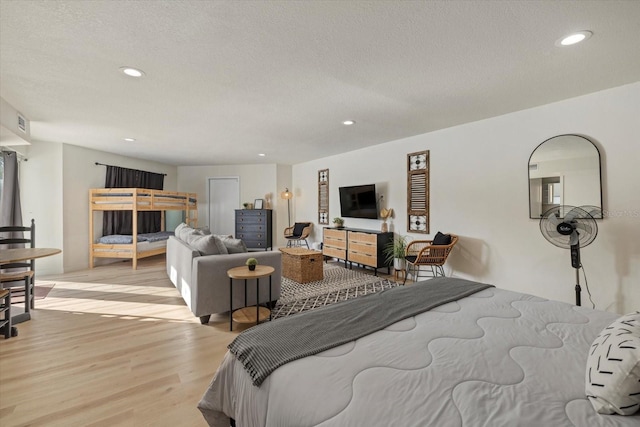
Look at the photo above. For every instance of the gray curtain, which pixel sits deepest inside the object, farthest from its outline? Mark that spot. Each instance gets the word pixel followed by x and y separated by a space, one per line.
pixel 10 210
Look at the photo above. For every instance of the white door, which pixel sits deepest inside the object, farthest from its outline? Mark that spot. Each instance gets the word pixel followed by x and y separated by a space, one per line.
pixel 224 199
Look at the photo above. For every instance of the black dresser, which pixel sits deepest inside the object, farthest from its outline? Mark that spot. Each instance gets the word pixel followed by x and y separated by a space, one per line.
pixel 253 226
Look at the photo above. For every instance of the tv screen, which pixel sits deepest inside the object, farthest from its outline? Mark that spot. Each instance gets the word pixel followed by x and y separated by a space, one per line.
pixel 358 201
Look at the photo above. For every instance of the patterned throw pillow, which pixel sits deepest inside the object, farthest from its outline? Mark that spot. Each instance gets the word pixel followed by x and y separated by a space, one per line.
pixel 613 367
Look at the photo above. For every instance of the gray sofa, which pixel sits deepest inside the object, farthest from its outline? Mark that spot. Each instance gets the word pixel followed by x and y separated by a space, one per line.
pixel 203 282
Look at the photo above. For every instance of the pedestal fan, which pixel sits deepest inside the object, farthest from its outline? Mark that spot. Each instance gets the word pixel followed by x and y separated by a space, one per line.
pixel 570 227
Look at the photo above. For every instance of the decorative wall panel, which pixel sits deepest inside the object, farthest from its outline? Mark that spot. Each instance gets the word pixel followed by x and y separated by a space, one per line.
pixel 323 196
pixel 418 192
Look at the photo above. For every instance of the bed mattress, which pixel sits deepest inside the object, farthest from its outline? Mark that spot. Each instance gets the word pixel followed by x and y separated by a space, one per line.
pixel 127 239
pixel 495 358
pixel 140 247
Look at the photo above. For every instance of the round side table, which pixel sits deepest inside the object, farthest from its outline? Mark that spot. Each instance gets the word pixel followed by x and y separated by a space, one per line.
pixel 254 313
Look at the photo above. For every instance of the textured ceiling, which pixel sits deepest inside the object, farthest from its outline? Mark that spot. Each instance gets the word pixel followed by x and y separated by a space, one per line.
pixel 226 80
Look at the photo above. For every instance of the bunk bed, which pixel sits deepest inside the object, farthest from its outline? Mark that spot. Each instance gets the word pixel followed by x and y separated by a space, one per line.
pixel 136 246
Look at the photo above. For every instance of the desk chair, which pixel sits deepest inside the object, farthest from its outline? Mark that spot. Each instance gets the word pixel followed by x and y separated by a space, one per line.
pixel 298 233
pixel 11 275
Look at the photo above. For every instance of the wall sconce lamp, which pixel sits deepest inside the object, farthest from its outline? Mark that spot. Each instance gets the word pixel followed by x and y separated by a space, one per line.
pixel 287 195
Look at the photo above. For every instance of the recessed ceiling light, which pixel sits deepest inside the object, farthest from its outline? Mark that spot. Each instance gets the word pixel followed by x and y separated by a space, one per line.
pixel 574 38
pixel 348 122
pixel 262 155
pixel 132 72
pixel 129 139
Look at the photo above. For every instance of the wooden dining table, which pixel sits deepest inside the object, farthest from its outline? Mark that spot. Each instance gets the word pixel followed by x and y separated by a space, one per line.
pixel 10 256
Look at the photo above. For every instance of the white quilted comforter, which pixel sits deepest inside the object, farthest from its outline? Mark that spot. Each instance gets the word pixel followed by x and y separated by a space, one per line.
pixel 496 358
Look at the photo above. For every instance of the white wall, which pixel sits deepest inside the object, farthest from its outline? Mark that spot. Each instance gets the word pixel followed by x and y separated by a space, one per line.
pixel 256 182
pixel 55 191
pixel 479 191
pixel 282 210
pixel 41 187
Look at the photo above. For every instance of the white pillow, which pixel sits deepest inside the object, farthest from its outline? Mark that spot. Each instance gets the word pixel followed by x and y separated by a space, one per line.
pixel 613 367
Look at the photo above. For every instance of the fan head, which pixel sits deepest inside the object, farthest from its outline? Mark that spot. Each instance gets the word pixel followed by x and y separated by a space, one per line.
pixel 566 226
pixel 595 211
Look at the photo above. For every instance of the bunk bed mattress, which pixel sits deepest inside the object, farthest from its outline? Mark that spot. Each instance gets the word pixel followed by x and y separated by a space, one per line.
pixel 140 247
pixel 124 239
pixel 496 357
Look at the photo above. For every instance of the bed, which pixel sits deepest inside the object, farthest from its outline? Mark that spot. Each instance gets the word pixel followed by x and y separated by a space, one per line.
pixel 491 358
pixel 136 246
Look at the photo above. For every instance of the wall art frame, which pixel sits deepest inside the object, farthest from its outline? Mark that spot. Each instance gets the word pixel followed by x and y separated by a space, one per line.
pixel 418 192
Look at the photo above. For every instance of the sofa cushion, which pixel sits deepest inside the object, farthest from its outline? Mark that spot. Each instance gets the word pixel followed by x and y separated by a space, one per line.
pixel 234 246
pixel 442 239
pixel 299 227
pixel 204 230
pixel 224 236
pixel 179 230
pixel 207 244
pixel 183 232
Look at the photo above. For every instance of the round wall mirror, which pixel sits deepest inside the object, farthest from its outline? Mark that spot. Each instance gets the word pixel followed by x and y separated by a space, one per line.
pixel 565 170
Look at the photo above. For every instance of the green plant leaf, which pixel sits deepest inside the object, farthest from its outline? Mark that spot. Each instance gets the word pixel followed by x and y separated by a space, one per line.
pixel 396 248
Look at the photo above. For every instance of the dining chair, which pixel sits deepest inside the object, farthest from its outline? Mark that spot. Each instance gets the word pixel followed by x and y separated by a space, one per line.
pixel 6 326
pixel 13 275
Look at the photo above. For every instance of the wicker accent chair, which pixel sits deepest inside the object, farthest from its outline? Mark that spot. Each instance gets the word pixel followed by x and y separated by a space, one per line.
pixel 298 233
pixel 424 253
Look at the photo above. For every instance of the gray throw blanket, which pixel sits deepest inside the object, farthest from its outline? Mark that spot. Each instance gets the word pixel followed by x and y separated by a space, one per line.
pixel 263 349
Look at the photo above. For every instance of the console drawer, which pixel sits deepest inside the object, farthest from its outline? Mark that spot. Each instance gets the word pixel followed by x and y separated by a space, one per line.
pixel 334 252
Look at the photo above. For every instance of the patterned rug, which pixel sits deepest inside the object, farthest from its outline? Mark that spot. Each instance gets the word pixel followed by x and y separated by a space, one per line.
pixel 339 284
pixel 40 292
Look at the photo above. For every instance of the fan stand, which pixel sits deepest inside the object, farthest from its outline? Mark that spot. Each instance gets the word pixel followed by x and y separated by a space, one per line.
pixel 578 289
pixel 575 263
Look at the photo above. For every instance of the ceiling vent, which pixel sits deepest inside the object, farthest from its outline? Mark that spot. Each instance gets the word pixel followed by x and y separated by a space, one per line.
pixel 533 167
pixel 22 123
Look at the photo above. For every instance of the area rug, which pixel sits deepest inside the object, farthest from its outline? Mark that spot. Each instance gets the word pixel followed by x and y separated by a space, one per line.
pixel 40 292
pixel 339 284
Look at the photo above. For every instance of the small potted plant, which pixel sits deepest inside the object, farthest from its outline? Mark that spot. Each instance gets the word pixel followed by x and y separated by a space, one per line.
pixel 338 222
pixel 251 263
pixel 245 205
pixel 394 252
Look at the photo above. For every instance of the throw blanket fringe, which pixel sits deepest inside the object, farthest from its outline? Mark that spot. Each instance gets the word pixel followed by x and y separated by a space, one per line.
pixel 263 349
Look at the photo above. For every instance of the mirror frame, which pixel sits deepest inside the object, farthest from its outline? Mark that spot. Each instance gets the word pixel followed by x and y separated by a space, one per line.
pixel 601 216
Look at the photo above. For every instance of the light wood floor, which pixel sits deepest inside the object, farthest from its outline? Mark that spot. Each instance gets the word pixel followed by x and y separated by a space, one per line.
pixel 110 347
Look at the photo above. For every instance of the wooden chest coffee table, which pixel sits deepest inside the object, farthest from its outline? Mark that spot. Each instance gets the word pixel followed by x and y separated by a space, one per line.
pixel 302 265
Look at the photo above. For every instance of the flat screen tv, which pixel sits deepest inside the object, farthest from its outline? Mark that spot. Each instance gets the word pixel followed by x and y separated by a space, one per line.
pixel 358 201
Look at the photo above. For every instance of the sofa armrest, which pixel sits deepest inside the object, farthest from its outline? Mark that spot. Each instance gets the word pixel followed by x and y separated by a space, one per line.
pixel 179 262
pixel 210 290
